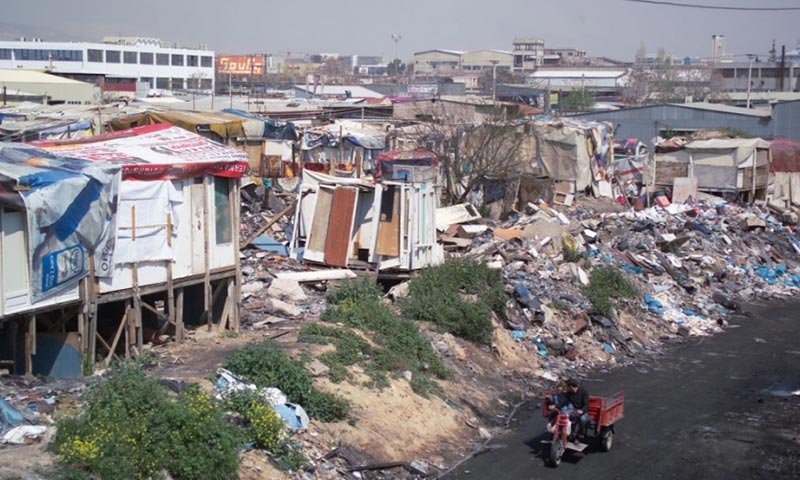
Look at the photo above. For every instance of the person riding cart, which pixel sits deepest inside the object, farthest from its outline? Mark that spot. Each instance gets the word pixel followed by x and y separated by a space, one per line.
pixel 575 402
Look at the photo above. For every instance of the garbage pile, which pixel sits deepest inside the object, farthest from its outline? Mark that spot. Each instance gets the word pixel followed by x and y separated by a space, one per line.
pixel 27 406
pixel 692 265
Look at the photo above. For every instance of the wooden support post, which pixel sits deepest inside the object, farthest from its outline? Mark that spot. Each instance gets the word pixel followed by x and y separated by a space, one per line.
pixel 170 286
pixel 137 300
pixel 123 321
pixel 30 344
pixel 207 302
pixel 753 190
pixel 13 329
pixel 234 294
pixel 179 317
pixel 83 308
pixel 130 333
pixel 226 310
pixel 93 290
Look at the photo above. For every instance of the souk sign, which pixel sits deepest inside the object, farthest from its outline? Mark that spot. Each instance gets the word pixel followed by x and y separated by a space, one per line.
pixel 240 64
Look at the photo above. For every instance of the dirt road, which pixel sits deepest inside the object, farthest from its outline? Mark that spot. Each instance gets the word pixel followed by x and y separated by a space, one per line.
pixel 713 408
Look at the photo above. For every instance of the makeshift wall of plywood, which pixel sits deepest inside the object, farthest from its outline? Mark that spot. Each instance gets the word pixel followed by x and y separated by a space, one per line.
pixel 319 222
pixel 340 226
pixel 388 242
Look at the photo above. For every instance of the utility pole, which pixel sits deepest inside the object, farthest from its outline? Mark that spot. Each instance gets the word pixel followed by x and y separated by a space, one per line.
pixel 396 38
pixel 750 57
pixel 783 67
pixel 230 87
pixel 494 80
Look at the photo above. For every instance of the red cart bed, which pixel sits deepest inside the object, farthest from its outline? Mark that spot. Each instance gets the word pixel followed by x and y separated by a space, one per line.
pixel 605 411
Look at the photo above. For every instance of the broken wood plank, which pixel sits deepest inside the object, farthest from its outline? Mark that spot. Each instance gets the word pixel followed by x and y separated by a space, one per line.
pixel 264 228
pixel 317 275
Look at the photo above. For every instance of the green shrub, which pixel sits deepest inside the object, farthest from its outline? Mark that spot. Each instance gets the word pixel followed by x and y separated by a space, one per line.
pixel 265 426
pixel 441 295
pixel 570 252
pixel 606 283
pixel 132 428
pixel 264 364
pixel 400 344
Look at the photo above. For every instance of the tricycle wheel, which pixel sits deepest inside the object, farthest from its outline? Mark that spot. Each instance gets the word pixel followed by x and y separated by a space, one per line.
pixel 556 452
pixel 606 439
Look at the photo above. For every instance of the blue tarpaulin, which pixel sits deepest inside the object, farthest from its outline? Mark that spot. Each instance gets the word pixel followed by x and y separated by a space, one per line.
pixel 70 205
pixel 272 129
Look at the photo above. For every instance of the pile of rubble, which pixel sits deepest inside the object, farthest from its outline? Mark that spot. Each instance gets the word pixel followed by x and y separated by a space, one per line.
pixel 692 264
pixel 27 406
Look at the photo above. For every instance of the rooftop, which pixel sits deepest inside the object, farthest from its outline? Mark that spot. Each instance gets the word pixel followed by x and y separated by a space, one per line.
pixel 721 108
pixel 20 75
pixel 451 52
pixel 577 73
pixel 356 91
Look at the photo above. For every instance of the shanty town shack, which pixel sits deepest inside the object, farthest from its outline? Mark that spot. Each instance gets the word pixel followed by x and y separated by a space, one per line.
pixel 109 241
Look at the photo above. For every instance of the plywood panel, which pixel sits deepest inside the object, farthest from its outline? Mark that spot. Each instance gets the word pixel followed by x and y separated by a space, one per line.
pixel 319 224
pixel 340 226
pixel 389 224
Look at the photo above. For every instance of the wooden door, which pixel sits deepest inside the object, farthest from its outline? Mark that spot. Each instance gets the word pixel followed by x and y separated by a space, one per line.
pixel 340 226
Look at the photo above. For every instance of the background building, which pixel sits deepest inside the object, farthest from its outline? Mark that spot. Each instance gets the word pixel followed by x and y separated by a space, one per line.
pixel 117 64
pixel 528 54
pixel 437 61
pixel 20 85
pixel 480 60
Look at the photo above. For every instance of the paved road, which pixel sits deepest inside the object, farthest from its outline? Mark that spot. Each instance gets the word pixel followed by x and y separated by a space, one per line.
pixel 712 408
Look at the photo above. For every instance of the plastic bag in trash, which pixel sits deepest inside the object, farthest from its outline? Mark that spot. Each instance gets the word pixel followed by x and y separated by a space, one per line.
pixel 293 415
pixel 10 417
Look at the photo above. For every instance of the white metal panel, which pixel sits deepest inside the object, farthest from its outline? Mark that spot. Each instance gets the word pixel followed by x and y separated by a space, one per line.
pixel 197 200
pixel 15 260
pixel 221 253
pixel 183 248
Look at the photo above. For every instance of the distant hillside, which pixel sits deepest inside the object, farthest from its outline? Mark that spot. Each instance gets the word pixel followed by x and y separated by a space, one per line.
pixel 12 31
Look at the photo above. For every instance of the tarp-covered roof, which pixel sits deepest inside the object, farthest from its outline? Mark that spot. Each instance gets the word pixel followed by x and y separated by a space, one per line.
pixel 225 126
pixel 265 127
pixel 727 144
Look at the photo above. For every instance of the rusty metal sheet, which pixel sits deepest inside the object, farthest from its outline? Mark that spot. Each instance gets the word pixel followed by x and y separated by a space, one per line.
pixel 340 226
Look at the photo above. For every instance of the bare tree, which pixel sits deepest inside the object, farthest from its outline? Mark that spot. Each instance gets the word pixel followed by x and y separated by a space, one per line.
pixel 472 152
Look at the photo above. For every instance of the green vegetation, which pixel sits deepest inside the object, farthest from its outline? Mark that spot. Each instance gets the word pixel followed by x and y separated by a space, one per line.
pixel 577 101
pixel 264 364
pixel 350 348
pixel 606 283
pixel 570 252
pixel 398 344
pixel 458 296
pixel 133 428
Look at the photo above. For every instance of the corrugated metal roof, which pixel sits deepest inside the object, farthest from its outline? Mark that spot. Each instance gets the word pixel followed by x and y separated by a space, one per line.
pixel 21 75
pixel 451 52
pixel 577 73
pixel 356 91
pixel 719 107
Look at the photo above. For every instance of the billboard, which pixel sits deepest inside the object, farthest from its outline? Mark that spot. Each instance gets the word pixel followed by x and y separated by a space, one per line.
pixel 240 64
pixel 423 89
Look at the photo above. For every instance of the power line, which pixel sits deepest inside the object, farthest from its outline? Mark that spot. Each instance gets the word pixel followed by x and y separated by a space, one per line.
pixel 716 7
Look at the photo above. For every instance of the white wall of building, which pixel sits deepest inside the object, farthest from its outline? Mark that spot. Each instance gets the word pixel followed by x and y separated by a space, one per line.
pixel 182 66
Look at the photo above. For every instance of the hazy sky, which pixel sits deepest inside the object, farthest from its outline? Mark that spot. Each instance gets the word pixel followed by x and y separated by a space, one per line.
pixel 612 28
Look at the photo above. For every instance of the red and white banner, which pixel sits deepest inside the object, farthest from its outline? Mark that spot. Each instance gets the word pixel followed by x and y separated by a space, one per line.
pixel 157 152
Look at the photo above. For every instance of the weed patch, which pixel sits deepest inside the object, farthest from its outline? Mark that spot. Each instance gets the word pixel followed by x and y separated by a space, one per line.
pixel 399 345
pixel 459 296
pixel 606 283
pixel 264 364
pixel 132 428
